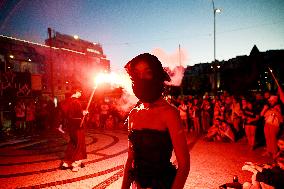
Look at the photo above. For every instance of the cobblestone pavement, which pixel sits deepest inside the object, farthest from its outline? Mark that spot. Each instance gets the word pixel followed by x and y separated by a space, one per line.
pixel 32 162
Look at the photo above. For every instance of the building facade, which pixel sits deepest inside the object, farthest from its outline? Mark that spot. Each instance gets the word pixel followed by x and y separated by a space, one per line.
pixel 238 75
pixel 53 68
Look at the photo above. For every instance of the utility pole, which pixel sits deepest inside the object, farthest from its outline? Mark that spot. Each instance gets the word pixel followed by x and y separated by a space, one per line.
pixel 179 55
pixel 180 65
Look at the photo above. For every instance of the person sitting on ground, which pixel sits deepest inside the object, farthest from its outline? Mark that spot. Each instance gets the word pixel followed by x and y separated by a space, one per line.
pixel 266 176
pixel 221 129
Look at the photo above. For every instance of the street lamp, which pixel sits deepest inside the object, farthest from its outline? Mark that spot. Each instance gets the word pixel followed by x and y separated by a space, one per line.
pixel 76 37
pixel 214 86
pixel 215 10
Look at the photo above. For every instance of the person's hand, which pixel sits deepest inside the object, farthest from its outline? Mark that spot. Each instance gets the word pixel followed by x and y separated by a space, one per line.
pixel 265 107
pixel 249 121
pixel 249 166
pixel 249 163
pixel 85 112
pixel 60 129
pixel 267 166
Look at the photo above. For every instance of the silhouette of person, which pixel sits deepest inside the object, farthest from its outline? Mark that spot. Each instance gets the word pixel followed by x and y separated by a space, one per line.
pixel 155 130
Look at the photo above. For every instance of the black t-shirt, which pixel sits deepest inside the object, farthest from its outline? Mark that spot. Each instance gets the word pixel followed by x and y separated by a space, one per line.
pixel 273 177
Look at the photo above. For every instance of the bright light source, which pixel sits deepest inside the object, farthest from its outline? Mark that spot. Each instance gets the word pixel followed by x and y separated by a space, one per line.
pixel 66 82
pixel 29 60
pixel 115 80
pixel 76 37
pixel 105 78
pixel 55 101
pixel 212 67
pixel 11 56
pixel 217 10
pixel 218 66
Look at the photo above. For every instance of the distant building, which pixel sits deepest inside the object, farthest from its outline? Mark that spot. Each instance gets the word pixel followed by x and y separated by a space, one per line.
pixel 237 75
pixel 76 62
pixel 21 68
pixel 53 68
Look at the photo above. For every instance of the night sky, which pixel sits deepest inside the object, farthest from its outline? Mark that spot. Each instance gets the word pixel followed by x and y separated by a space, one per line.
pixel 126 28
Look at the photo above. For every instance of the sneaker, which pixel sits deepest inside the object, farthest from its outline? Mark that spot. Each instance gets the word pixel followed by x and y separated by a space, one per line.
pixel 76 163
pixel 82 165
pixel 76 169
pixel 64 166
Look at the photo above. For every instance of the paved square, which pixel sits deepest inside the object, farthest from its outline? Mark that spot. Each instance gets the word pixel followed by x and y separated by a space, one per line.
pixel 32 162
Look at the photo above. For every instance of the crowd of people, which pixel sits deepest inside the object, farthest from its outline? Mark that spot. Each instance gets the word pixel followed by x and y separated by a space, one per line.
pixel 32 116
pixel 256 117
pixel 28 116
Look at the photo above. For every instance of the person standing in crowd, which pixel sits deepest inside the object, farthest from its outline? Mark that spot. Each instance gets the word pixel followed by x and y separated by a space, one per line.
pixel 236 115
pixel 20 110
pixel 104 113
pixel 258 105
pixel 30 117
pixel 50 105
pixel 152 137
pixel 42 116
pixel 76 148
pixel 273 118
pixel 190 114
pixel 205 113
pixel 250 118
pixel 183 114
pixel 196 115
pixel 266 96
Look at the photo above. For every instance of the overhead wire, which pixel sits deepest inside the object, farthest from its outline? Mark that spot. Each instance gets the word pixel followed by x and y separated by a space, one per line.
pixel 128 43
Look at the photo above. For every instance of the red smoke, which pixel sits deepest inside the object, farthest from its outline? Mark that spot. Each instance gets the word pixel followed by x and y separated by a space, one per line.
pixel 174 63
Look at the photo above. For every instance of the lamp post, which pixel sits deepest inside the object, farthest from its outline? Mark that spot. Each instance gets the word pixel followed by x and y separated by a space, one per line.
pixel 215 10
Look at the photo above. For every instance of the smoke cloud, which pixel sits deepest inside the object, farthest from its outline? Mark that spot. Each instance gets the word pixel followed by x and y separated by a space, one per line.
pixel 173 64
